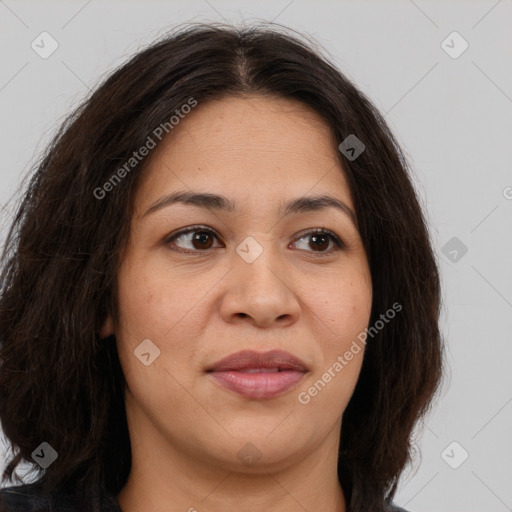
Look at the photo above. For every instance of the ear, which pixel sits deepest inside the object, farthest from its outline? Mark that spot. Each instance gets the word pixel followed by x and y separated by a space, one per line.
pixel 108 328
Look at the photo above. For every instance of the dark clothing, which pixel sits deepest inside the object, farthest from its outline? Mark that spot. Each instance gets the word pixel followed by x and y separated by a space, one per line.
pixel 26 498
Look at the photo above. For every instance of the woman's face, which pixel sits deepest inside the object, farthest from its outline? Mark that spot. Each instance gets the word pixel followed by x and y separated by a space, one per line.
pixel 253 278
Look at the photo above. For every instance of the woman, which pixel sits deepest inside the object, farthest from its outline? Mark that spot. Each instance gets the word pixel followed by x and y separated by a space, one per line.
pixel 218 291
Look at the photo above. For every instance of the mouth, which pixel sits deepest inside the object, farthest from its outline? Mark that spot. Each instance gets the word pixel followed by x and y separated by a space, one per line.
pixel 258 375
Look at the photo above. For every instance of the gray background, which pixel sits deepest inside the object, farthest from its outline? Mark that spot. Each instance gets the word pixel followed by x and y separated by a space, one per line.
pixel 453 119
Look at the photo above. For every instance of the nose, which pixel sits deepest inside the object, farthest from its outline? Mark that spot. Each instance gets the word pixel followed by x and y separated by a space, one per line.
pixel 260 292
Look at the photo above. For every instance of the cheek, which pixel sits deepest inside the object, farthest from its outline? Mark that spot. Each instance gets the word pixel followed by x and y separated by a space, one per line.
pixel 344 309
pixel 164 308
pixel 341 315
pixel 148 310
pixel 153 301
pixel 329 388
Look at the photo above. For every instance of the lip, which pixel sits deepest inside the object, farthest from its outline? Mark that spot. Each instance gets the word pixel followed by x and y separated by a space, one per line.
pixel 258 374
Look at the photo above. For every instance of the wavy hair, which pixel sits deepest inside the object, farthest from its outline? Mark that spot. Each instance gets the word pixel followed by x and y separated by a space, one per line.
pixel 61 384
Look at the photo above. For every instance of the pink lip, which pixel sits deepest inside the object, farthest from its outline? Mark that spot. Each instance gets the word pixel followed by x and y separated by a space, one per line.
pixel 239 373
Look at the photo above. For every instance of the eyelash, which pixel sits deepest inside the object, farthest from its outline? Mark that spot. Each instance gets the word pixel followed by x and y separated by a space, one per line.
pixel 337 241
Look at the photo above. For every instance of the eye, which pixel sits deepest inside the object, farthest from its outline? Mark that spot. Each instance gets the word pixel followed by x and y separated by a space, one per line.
pixel 320 239
pixel 201 238
pixel 198 238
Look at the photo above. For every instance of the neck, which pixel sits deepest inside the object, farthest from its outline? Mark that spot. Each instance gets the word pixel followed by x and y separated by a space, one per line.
pixel 174 481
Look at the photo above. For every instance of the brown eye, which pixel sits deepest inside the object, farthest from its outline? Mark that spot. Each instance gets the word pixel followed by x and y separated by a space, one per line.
pixel 202 240
pixel 320 240
pixel 193 239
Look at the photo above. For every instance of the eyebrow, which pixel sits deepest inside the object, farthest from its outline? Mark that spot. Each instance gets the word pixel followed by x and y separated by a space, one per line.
pixel 222 203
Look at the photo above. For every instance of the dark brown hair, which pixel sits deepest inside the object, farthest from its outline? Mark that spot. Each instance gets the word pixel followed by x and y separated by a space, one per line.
pixel 60 383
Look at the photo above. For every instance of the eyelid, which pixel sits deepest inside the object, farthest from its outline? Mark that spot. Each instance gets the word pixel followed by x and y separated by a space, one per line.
pixel 336 239
pixel 188 229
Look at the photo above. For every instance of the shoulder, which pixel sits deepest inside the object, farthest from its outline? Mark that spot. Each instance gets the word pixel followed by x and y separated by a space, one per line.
pixel 23 498
pixel 29 498
pixel 395 508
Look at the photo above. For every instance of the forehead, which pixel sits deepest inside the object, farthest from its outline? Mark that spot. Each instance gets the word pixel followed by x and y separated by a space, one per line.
pixel 253 147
